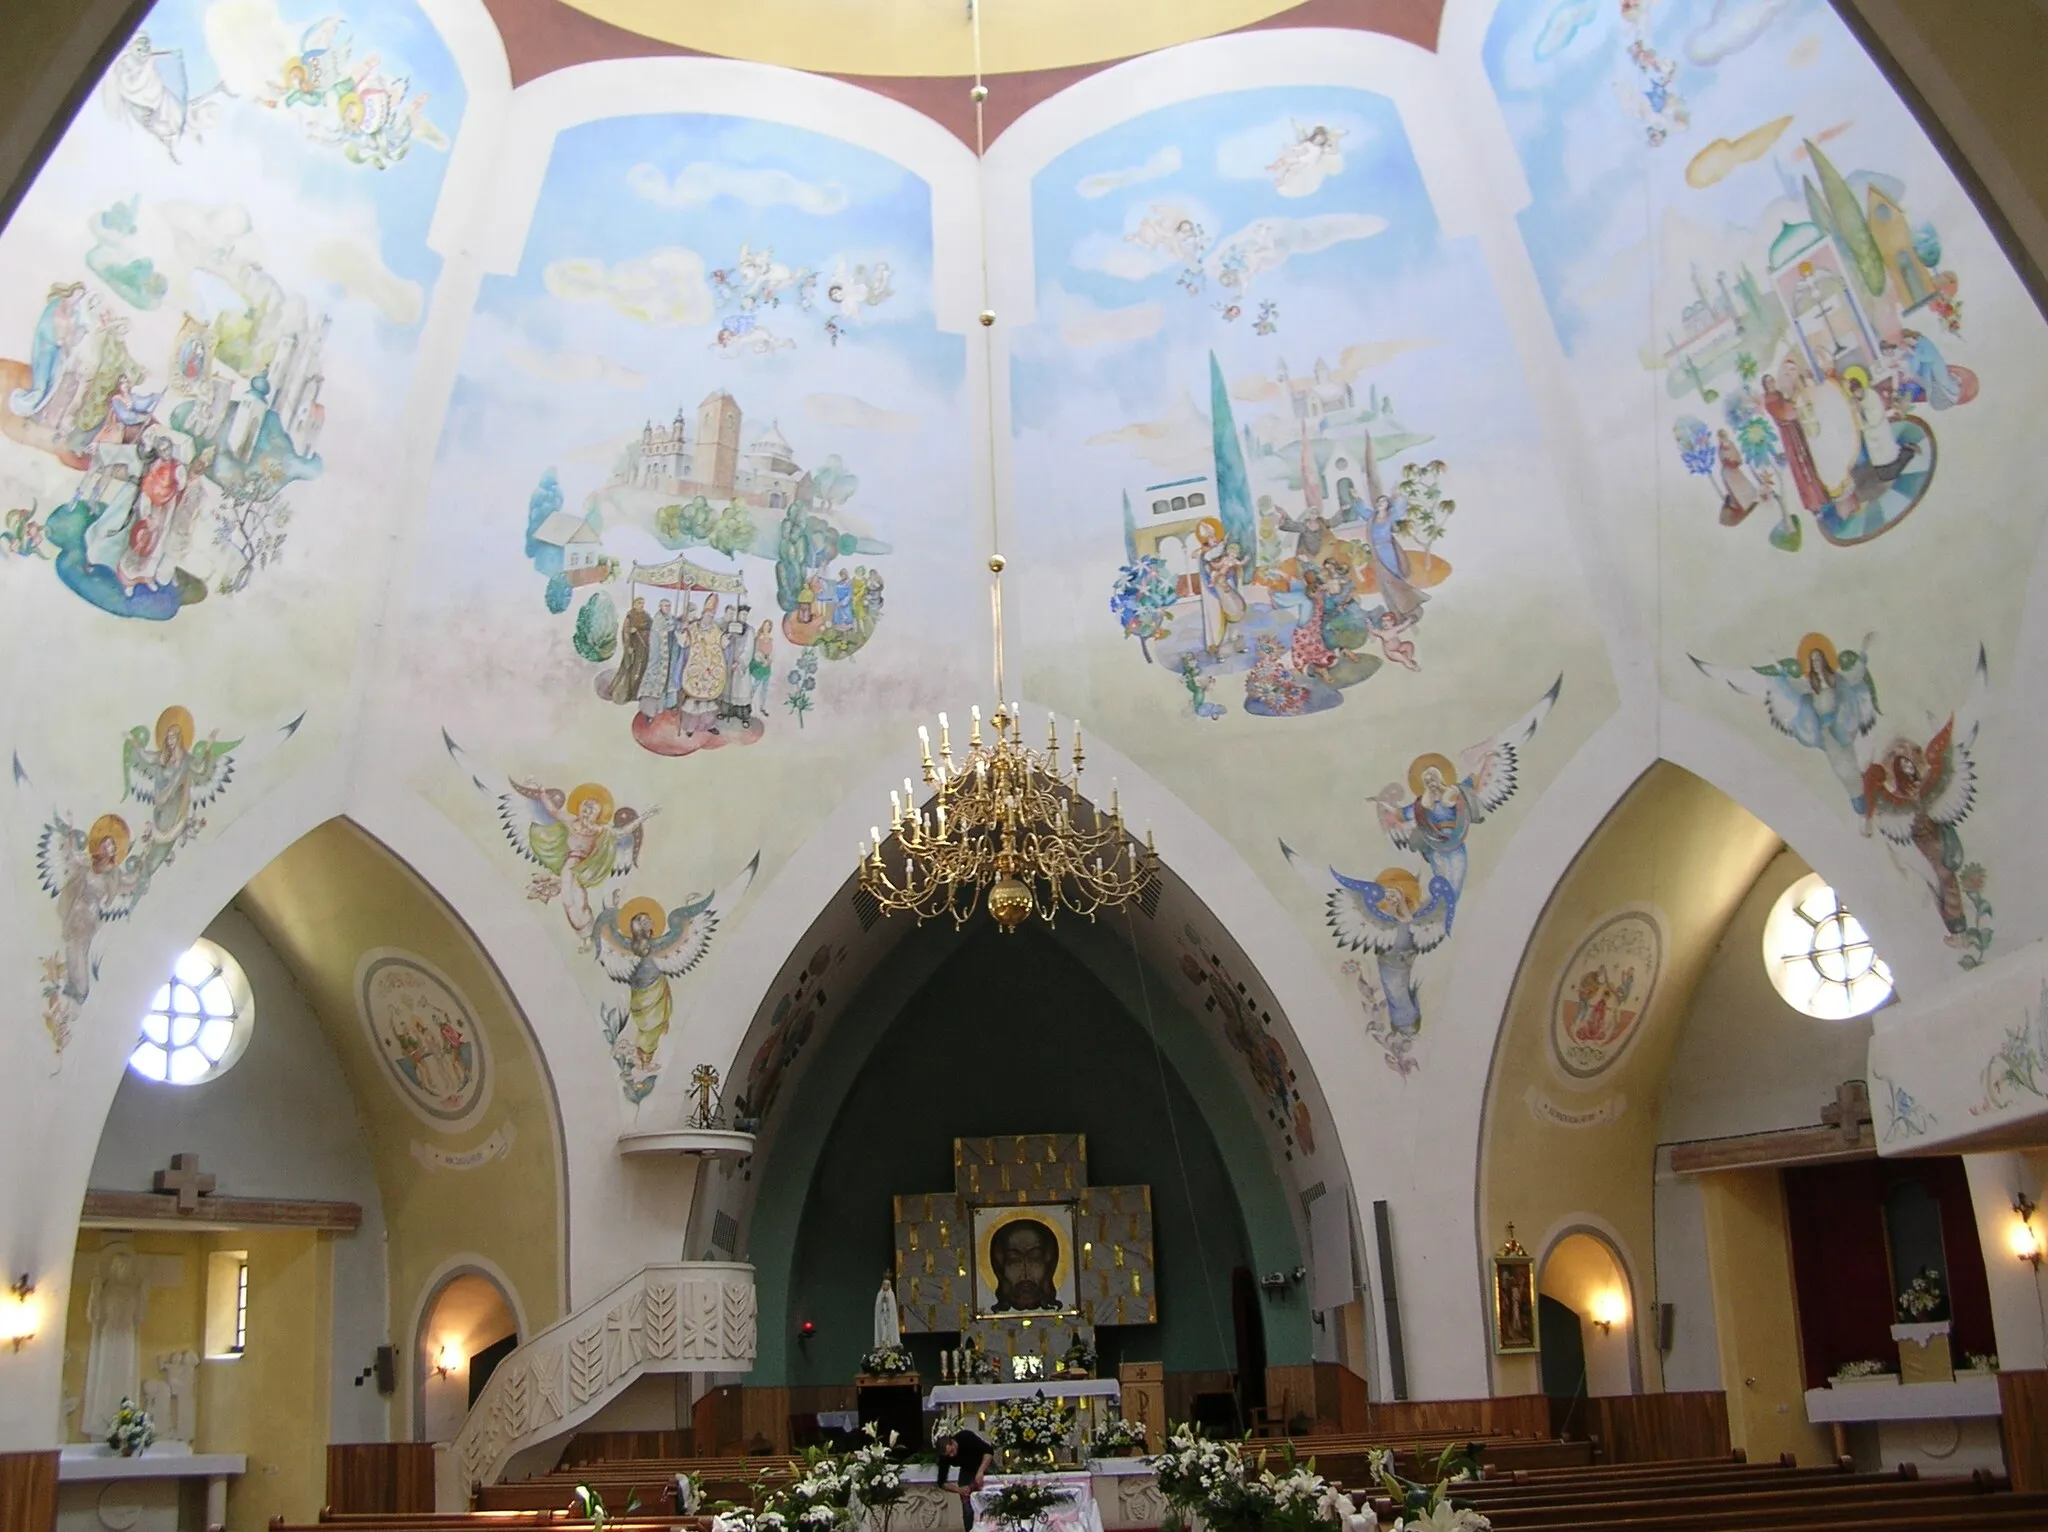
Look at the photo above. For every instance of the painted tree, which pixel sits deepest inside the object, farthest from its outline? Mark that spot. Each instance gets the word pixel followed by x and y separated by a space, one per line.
pixel 1852 229
pixel 545 500
pixel 1143 601
pixel 731 530
pixel 597 628
pixel 1233 484
pixel 558 593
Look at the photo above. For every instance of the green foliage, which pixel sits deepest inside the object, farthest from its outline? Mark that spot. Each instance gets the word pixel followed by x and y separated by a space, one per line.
pixel 687 525
pixel 731 530
pixel 545 500
pixel 559 593
pixel 803 681
pixel 1851 228
pixel 597 628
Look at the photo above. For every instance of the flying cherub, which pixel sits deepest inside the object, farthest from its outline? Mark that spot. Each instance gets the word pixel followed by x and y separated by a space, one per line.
pixel 643 946
pixel 1434 816
pixel 1313 157
pixel 852 289
pixel 1825 700
pixel 1387 916
pixel 580 840
pixel 1172 231
pixel 1917 794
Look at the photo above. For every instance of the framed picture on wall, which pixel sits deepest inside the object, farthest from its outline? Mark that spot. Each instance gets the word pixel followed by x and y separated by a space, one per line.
pixel 1024 1259
pixel 1514 1299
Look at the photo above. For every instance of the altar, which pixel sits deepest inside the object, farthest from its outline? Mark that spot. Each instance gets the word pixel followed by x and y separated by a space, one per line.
pixel 166 1488
pixel 1094 1400
pixel 1113 1495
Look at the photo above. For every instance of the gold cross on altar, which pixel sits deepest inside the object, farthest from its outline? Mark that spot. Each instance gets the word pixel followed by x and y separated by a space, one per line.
pixel 186 1180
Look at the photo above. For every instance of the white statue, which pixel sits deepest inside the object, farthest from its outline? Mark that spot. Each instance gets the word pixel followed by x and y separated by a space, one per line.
pixel 179 1421
pixel 114 1308
pixel 888 1328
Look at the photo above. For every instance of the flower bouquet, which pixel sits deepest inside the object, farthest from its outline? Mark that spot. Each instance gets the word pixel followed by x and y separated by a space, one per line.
pixel 1024 1502
pixel 1078 1361
pixel 1924 1301
pixel 1033 1428
pixel 887 1362
pixel 1117 1438
pixel 131 1430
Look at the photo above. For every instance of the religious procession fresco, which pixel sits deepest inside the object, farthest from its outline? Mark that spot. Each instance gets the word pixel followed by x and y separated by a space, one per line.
pixel 1228 372
pixel 427 1035
pixel 586 845
pixel 99 868
pixel 717 350
pixel 1912 785
pixel 211 263
pixel 1404 912
pixel 1604 992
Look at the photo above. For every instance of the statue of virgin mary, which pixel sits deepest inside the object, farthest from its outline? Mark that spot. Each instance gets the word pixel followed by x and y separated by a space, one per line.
pixel 888 1327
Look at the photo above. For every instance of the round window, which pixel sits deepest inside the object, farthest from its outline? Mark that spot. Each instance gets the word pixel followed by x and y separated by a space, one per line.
pixel 1819 957
pixel 198 1023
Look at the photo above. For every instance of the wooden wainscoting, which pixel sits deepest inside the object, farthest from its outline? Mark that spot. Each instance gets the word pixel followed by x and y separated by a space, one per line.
pixel 1658 1428
pixel 28 1491
pixel 2024 1397
pixel 380 1476
pixel 1507 1415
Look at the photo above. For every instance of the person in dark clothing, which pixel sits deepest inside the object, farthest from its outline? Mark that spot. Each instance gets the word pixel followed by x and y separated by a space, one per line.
pixel 966 1456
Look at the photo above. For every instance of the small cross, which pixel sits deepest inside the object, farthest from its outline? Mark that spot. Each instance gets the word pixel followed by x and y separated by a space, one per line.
pixel 187 1180
pixel 1850 1114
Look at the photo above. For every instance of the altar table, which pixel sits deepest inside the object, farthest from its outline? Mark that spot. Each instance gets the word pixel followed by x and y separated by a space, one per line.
pixel 97 1487
pixel 1077 1513
pixel 1052 1388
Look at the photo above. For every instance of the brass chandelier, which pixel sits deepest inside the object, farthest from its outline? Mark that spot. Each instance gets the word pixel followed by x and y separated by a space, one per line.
pixel 1003 821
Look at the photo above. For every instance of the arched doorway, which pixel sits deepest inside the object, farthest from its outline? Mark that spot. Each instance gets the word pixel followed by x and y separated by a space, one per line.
pixel 1584 1287
pixel 467 1326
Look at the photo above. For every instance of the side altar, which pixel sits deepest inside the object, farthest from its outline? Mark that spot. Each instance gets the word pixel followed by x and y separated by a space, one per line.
pixel 1020 1263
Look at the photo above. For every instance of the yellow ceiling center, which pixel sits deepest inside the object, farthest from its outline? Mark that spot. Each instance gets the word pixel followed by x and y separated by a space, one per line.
pixel 930 37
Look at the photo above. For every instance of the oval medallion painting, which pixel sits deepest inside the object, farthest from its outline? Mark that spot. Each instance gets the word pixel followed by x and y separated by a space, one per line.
pixel 1603 993
pixel 427 1036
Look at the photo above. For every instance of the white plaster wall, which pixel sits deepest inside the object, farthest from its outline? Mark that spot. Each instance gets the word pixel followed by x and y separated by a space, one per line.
pixel 280 1123
pixel 1683 1281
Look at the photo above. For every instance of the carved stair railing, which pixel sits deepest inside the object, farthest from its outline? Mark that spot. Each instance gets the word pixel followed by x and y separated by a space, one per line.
pixel 685 1316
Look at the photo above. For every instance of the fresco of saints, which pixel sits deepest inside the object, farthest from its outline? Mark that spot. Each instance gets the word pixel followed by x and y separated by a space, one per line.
pixel 1825 700
pixel 176 774
pixel 95 875
pixel 1435 816
pixel 148 86
pixel 579 839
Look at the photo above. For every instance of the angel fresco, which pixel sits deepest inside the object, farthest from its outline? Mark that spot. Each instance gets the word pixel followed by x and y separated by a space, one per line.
pixel 1315 155
pixel 579 839
pixel 1916 795
pixel 176 775
pixel 147 85
pixel 347 102
pixel 1823 698
pixel 1442 802
pixel 643 946
pixel 1387 916
pixel 95 875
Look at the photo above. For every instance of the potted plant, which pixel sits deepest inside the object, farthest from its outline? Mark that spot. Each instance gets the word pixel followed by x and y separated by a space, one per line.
pixel 1032 1429
pixel 1922 1330
pixel 131 1430
pixel 886 1362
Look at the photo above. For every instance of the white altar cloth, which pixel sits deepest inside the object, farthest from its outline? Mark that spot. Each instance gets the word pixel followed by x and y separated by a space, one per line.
pixel 1077 1513
pixel 1052 1388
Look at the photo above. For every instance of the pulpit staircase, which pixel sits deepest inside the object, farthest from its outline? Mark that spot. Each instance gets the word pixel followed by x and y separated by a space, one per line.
pixel 684 1316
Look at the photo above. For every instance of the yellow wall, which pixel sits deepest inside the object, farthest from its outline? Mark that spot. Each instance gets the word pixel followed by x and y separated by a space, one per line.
pixel 271 1402
pixel 1679 845
pixel 333 896
pixel 1749 1257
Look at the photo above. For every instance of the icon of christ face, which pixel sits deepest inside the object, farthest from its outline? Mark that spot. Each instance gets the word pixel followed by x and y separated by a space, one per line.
pixel 1025 1257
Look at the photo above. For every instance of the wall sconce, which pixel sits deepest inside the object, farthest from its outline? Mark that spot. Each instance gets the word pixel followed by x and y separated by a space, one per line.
pixel 804 1332
pixel 2024 1238
pixel 20 1324
pixel 1609 1310
pixel 446 1359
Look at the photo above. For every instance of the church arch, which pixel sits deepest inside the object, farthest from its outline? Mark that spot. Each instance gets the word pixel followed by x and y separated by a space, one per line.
pixel 447 1334
pixel 1569 1269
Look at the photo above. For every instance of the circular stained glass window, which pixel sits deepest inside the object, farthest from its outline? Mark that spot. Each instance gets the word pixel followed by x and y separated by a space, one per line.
pixel 1819 957
pixel 198 1023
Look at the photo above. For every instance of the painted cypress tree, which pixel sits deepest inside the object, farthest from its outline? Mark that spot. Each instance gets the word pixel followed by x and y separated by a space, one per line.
pixel 1233 485
pixel 1852 229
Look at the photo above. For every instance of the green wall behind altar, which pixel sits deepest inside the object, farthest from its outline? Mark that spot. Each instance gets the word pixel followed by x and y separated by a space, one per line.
pixel 960 1036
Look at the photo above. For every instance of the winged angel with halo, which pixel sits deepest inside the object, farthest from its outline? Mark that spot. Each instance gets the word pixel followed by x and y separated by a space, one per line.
pixel 642 946
pixel 176 775
pixel 1821 698
pixel 1396 916
pixel 579 839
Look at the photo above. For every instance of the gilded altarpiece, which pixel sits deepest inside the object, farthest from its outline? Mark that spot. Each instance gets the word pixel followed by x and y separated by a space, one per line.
pixel 1109 1250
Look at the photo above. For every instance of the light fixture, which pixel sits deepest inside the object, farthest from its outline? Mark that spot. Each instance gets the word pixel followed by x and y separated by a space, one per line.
pixel 20 1325
pixel 2024 1238
pixel 1609 1310
pixel 1004 821
pixel 446 1359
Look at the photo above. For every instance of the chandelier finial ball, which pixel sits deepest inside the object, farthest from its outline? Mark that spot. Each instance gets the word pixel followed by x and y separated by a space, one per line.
pixel 979 93
pixel 1009 901
pixel 997 563
pixel 988 317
